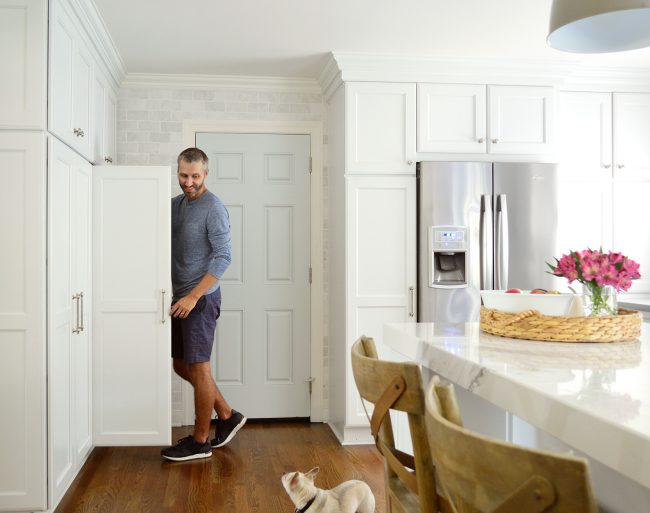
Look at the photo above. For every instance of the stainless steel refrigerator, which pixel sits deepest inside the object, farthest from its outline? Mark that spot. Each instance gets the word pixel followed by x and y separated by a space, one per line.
pixel 482 226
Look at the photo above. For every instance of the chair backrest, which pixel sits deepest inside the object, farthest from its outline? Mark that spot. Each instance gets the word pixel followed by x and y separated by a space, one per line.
pixel 481 474
pixel 397 386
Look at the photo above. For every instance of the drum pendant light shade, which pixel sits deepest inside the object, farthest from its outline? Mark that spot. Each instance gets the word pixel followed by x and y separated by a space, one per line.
pixel 599 26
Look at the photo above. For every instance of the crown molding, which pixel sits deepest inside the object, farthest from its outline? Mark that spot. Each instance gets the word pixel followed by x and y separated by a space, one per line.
pixel 235 82
pixel 97 33
pixel 364 67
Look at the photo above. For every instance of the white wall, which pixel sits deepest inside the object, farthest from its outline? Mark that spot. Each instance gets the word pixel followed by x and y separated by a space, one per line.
pixel 149 132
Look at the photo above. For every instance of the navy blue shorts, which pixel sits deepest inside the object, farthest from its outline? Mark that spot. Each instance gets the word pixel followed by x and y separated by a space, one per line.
pixel 193 336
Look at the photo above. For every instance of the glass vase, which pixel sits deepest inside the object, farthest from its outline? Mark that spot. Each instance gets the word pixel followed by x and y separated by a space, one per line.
pixel 599 300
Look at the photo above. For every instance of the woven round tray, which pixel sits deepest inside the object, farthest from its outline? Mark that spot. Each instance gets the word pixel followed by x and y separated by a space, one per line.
pixel 531 325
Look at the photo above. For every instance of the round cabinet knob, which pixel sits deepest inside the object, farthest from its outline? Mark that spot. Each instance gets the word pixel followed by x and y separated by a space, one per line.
pixel 607 166
pixel 76 131
pixel 409 162
pixel 621 166
pixel 81 132
pixel 495 141
pixel 108 160
pixel 481 140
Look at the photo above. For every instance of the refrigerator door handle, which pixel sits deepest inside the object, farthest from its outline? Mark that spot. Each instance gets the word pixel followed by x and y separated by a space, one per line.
pixel 486 242
pixel 502 249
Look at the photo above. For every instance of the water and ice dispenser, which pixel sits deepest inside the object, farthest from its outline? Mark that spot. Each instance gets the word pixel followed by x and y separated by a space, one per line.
pixel 448 257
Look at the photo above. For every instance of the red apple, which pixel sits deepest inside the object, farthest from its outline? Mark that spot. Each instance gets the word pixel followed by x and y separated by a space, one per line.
pixel 513 291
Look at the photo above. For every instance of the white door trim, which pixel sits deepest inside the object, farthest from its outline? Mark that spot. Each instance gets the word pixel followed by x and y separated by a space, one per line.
pixel 315 130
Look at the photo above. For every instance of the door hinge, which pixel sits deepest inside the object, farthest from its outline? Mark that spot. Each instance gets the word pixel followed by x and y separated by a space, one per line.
pixel 310 380
pixel 310 165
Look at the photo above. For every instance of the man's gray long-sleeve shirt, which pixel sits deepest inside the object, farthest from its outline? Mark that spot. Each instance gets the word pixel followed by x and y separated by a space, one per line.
pixel 200 241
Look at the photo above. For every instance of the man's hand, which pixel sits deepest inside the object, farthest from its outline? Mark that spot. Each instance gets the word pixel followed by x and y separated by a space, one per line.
pixel 183 307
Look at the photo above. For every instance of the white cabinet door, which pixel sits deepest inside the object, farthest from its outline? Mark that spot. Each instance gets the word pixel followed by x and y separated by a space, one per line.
pixel 71 79
pixel 520 119
pixel 630 200
pixel 132 292
pixel 69 294
pixel 585 170
pixel 104 117
pixel 22 322
pixel 585 135
pixel 451 118
pixel 381 263
pixel 631 135
pixel 379 128
pixel 23 60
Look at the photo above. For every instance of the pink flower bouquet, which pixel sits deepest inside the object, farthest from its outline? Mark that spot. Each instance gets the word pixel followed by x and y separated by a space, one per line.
pixel 596 270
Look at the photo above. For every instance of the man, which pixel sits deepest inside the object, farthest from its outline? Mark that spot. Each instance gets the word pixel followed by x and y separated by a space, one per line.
pixel 200 256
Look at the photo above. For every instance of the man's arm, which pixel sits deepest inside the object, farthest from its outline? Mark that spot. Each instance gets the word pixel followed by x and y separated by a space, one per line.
pixel 186 304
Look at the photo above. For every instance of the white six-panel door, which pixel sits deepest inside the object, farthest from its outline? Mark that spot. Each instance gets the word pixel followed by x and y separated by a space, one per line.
pixel 261 355
pixel 23 447
pixel 132 292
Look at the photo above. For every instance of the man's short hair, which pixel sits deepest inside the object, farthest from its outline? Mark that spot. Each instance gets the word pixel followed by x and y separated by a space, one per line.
pixel 193 155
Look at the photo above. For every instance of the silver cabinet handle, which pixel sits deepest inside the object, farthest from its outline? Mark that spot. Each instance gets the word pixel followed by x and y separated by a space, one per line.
pixel 502 249
pixel 411 301
pixel 485 237
pixel 481 140
pixel 108 160
pixel 81 317
pixel 495 141
pixel 77 305
pixel 162 312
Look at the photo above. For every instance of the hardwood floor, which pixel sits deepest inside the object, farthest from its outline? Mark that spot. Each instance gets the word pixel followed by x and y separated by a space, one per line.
pixel 243 477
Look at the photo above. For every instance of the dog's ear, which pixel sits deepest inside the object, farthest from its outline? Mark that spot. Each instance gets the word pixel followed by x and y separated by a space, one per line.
pixel 312 473
pixel 294 480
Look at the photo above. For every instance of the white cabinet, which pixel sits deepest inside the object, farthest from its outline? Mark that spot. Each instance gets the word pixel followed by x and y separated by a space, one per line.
pixel 69 327
pixel 475 119
pixel 132 294
pixel 379 128
pixel 22 322
pixel 605 173
pixel 23 58
pixel 381 264
pixel 452 118
pixel 71 78
pixel 104 121
pixel 631 135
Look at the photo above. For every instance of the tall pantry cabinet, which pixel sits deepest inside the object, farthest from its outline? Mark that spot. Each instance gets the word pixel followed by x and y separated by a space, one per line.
pixel 371 142
pixel 84 266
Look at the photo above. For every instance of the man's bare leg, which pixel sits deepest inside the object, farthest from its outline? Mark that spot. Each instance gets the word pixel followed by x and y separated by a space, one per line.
pixel 221 406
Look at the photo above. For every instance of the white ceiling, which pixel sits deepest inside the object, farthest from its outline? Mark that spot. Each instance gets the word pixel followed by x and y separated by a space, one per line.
pixel 291 38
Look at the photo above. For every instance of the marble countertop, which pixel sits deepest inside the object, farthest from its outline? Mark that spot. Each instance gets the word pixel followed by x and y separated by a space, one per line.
pixel 594 397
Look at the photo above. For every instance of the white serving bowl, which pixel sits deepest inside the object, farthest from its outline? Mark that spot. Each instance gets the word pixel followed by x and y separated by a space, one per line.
pixel 546 304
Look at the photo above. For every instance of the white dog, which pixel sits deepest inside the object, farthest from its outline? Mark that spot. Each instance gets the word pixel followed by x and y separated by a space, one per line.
pixel 348 497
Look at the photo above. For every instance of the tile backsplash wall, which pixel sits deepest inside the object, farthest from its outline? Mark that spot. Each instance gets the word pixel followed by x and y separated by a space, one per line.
pixel 149 132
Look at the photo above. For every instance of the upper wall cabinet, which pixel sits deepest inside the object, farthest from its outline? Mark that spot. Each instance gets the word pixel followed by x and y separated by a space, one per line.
pixel 499 120
pixel 23 58
pixel 380 128
pixel 631 135
pixel 71 78
pixel 104 121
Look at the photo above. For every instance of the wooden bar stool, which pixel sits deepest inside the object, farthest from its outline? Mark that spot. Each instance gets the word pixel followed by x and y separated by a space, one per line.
pixel 410 479
pixel 479 474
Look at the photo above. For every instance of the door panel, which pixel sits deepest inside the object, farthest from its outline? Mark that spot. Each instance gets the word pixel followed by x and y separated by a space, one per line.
pixel 262 346
pixel 131 280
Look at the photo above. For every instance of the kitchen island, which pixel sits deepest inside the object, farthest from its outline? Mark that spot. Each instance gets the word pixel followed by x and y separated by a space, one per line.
pixel 592 399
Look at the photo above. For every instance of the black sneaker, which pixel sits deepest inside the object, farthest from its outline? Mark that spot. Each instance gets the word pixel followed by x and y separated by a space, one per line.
pixel 187 449
pixel 226 429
